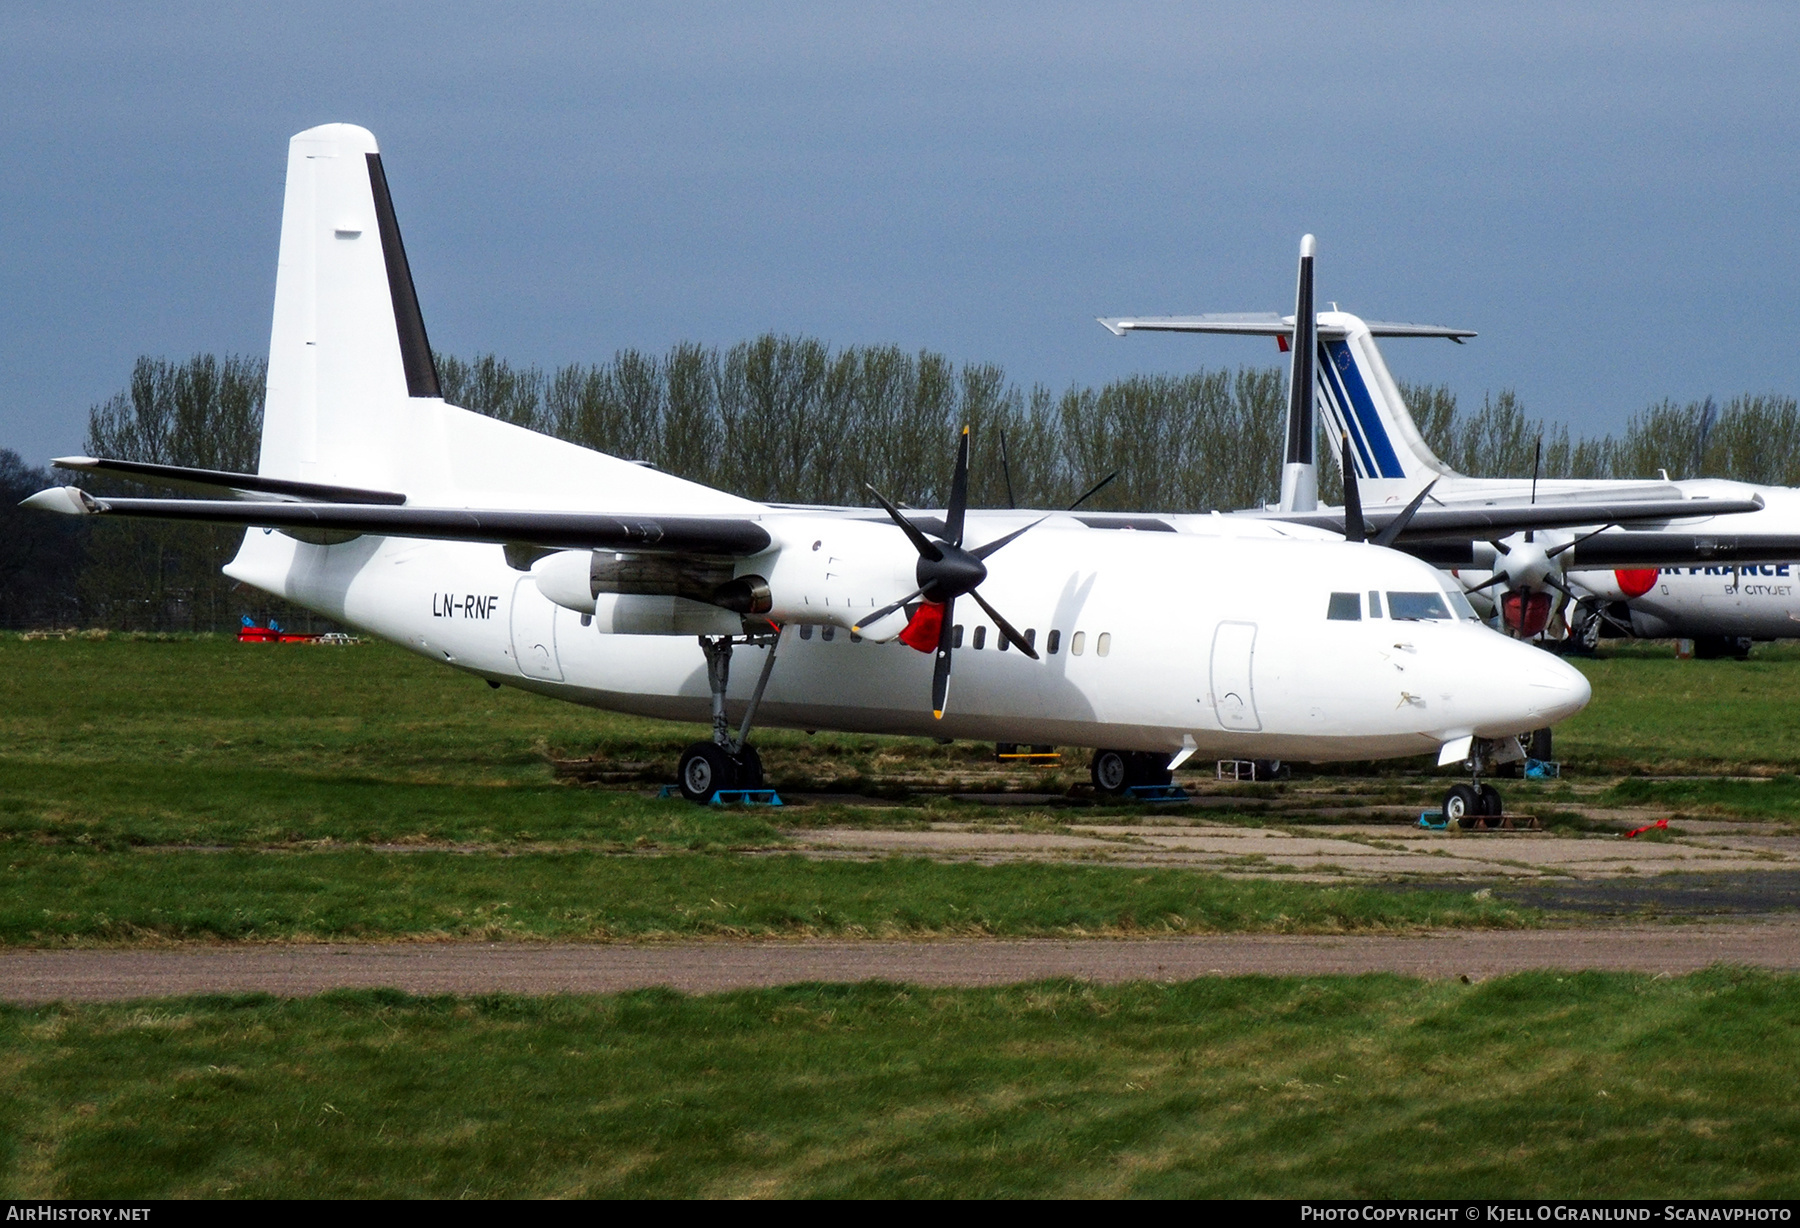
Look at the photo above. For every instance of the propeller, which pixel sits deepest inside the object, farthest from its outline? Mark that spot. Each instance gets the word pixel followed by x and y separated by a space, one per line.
pixel 1356 529
pixel 946 571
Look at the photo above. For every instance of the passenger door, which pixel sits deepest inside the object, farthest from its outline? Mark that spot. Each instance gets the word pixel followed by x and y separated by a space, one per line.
pixel 1233 659
pixel 534 632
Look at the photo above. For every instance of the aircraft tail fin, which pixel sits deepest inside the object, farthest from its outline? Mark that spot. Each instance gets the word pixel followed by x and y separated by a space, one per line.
pixel 348 347
pixel 1358 396
pixel 353 396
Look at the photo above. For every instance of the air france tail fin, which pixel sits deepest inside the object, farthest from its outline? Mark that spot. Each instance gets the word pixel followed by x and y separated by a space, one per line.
pixel 1359 397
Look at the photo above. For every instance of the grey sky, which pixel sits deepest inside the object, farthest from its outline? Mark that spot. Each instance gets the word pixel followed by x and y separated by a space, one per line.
pixel 1607 194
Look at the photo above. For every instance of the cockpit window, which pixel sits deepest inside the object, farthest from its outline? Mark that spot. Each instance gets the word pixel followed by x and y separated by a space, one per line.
pixel 1345 607
pixel 1460 604
pixel 1417 606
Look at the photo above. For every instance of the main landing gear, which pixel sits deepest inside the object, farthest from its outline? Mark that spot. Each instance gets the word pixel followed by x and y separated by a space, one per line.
pixel 728 761
pixel 1115 771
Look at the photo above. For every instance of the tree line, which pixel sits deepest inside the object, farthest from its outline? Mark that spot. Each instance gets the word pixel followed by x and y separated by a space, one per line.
pixel 792 419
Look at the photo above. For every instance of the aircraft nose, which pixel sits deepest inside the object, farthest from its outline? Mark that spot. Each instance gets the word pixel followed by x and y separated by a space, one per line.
pixel 1554 689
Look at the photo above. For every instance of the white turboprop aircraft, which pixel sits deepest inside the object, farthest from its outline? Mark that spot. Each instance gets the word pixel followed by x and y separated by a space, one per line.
pixel 1721 609
pixel 535 563
pixel 1703 525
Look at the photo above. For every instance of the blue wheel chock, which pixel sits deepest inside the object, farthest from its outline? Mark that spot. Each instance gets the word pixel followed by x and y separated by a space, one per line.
pixel 1157 793
pixel 746 797
pixel 1433 820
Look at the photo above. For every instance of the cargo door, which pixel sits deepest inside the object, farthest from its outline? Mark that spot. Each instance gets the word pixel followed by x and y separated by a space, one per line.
pixel 1233 658
pixel 534 632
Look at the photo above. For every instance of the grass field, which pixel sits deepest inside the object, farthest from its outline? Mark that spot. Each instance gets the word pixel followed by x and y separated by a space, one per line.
pixel 195 788
pixel 1535 1085
pixel 198 790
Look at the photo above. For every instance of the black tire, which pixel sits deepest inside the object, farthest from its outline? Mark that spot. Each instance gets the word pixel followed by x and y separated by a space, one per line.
pixel 1462 806
pixel 1111 772
pixel 1491 806
pixel 1148 768
pixel 704 770
pixel 1541 746
pixel 749 769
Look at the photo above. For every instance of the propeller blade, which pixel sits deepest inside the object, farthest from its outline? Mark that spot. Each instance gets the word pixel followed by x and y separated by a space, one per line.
pixel 1355 528
pixel 885 610
pixel 1550 554
pixel 940 668
pixel 1095 489
pixel 1560 587
pixel 982 552
pixel 1499 577
pixel 1006 472
pixel 1007 629
pixel 959 492
pixel 1398 525
pixel 924 545
pixel 1537 461
pixel 1501 546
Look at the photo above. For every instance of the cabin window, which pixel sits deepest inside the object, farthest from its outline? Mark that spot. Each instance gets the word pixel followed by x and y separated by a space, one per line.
pixel 956 636
pixel 1460 604
pixel 1374 604
pixel 1077 642
pixel 1345 607
pixel 827 632
pixel 1052 642
pixel 806 631
pixel 1031 637
pixel 1103 644
pixel 980 638
pixel 1417 606
pixel 1003 643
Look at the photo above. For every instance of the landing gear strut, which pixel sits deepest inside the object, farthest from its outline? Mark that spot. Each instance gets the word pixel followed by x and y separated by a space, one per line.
pixel 1466 805
pixel 728 761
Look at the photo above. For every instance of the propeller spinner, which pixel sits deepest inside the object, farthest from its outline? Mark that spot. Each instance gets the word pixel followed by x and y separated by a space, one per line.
pixel 945 572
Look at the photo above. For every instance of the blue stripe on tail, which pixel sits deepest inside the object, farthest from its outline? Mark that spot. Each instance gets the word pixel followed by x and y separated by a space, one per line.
pixel 1345 371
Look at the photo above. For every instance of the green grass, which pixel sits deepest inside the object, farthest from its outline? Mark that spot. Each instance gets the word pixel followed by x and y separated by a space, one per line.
pixel 61 897
pixel 1776 798
pixel 1531 1086
pixel 1654 715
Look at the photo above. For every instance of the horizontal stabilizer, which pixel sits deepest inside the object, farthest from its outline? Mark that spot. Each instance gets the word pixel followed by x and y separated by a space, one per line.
pixel 244 485
pixel 1268 324
pixel 553 530
pixel 1461 521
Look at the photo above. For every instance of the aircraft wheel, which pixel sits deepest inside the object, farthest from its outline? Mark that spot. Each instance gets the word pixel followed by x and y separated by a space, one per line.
pixel 749 769
pixel 1490 802
pixel 1148 768
pixel 704 770
pixel 1462 806
pixel 1111 771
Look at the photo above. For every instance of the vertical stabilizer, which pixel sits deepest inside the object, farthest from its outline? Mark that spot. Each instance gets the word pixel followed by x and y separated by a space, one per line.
pixel 1360 398
pixel 1299 468
pixel 348 351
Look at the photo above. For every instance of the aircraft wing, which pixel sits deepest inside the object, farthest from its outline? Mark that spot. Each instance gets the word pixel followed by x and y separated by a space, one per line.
pixel 552 530
pixel 1460 522
pixel 241 485
pixel 1267 324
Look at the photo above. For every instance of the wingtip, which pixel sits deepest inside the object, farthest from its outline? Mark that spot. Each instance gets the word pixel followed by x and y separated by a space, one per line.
pixel 1115 327
pixel 64 500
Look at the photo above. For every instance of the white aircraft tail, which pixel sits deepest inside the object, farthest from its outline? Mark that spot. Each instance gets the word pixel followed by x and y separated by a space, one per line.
pixel 1358 395
pixel 353 395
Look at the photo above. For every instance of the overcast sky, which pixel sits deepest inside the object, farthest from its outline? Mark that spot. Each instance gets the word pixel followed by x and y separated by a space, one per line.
pixel 1607 193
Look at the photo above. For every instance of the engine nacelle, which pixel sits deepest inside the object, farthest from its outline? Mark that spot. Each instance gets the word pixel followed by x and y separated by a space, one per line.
pixel 626 594
pixel 647 614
